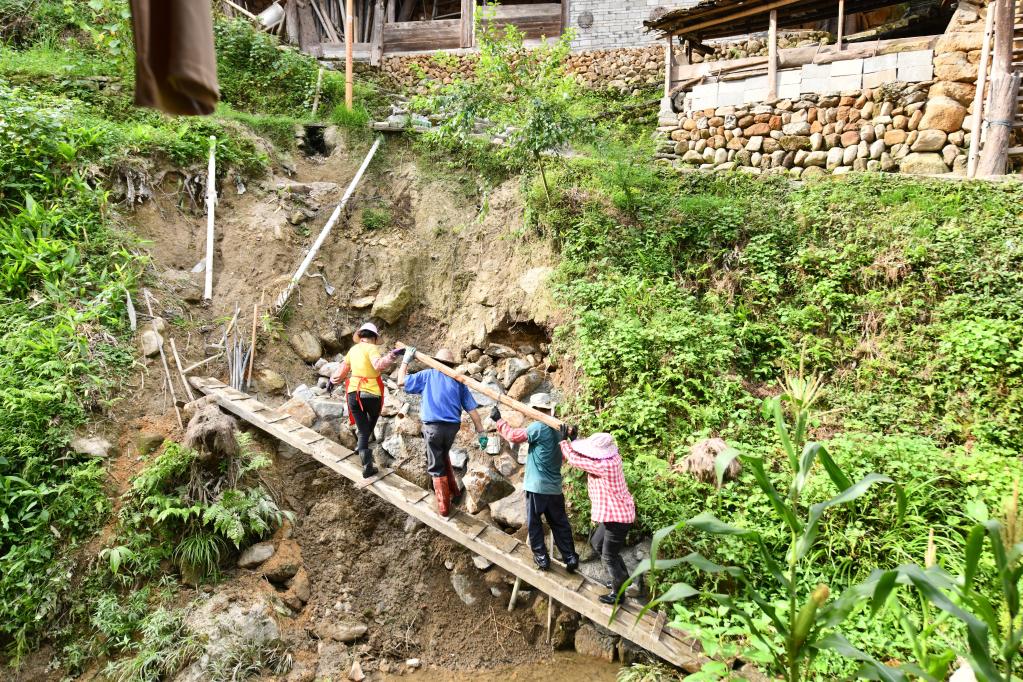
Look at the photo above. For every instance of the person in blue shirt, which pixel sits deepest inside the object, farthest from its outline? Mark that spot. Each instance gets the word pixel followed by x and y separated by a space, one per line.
pixel 444 400
pixel 544 497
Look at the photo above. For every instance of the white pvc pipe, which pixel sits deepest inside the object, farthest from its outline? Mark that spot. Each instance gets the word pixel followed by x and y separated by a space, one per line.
pixel 211 201
pixel 282 300
pixel 978 97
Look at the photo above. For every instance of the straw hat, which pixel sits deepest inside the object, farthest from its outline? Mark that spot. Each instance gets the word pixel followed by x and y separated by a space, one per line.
pixel 597 446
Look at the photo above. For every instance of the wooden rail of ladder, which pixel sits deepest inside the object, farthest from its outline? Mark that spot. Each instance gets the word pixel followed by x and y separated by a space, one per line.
pixel 573 590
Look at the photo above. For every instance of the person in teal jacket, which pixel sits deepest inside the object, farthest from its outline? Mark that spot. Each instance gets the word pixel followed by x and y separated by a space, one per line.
pixel 544 497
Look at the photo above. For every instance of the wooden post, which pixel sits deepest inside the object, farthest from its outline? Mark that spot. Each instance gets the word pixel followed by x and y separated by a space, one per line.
pixel 163 359
pixel 467 21
pixel 316 97
pixel 376 54
pixel 978 97
pixel 515 593
pixel 486 390
pixel 211 202
pixel 841 24
pixel 1004 86
pixel 666 111
pixel 282 300
pixel 995 153
pixel 291 22
pixel 391 4
pixel 772 56
pixel 181 372
pixel 252 348
pixel 349 44
pixel 566 15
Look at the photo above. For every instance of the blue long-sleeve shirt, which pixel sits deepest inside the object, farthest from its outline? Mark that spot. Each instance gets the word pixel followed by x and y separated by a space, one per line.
pixel 443 397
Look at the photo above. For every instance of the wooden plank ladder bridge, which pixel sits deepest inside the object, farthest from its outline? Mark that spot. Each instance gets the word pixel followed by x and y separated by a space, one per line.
pixel 572 590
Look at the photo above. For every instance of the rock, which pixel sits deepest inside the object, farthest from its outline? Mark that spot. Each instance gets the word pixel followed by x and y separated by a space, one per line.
pixel 326 408
pixel 299 410
pixel 929 141
pixel 692 156
pixel 510 511
pixel 269 382
pixel 408 425
pixel 148 441
pixel 513 369
pixel 894 137
pixel 590 642
pixel 328 369
pixel 499 352
pixel 391 302
pixel 949 154
pixel 876 149
pixel 226 626
pixel 814 159
pixel 458 457
pixel 413 663
pixel 484 485
pixel 307 346
pixel 792 143
pixel 284 563
pixel 94 446
pixel 151 343
pixel 943 113
pixel 255 554
pixel 533 279
pixel 812 173
pixel 960 92
pixel 526 384
pixel 834 160
pixel 887 162
pixel 849 155
pixel 481 562
pixel 300 586
pixel 927 163
pixel 816 142
pixel 363 302
pixel 341 631
pixel 463 588
pixel 801 128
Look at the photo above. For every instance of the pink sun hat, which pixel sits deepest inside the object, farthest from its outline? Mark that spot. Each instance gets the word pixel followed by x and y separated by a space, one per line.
pixel 597 446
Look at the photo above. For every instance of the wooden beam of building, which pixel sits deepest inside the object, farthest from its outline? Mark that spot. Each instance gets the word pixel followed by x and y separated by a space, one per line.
pixel 772 56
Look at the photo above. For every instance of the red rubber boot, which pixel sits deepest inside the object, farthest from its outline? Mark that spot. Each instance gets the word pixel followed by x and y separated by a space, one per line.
pixel 443 495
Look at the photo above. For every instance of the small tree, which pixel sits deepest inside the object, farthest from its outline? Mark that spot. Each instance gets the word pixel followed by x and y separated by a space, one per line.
pixel 522 96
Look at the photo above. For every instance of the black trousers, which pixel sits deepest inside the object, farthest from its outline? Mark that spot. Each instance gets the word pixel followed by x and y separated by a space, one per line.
pixel 439 437
pixel 365 417
pixel 551 507
pixel 608 540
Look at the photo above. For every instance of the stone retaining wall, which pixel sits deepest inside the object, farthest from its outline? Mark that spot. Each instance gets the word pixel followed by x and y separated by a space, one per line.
pixel 896 127
pixel 624 69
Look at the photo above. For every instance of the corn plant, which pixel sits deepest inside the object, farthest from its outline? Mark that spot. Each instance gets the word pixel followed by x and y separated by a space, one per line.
pixel 989 619
pixel 808 625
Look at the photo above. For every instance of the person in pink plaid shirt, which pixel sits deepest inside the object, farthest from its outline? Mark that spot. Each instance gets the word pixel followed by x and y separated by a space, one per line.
pixel 612 508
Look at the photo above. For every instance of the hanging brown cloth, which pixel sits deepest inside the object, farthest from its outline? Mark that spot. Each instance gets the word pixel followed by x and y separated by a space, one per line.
pixel 175 61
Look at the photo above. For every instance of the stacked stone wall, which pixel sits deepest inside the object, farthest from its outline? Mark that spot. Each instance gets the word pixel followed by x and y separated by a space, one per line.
pixel 625 69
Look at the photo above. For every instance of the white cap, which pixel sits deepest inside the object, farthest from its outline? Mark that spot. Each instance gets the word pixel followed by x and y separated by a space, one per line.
pixel 369 327
pixel 542 400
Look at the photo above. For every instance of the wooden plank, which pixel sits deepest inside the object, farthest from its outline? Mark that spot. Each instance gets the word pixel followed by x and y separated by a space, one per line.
pixel 443 34
pixel 772 56
pixel 978 98
pixel 466 19
pixel 308 34
pixel 376 54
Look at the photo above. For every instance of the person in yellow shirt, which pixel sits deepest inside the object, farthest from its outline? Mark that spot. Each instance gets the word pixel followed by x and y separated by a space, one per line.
pixel 364 388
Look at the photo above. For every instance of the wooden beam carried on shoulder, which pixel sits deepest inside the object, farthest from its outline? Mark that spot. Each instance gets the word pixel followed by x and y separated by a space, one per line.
pixel 486 390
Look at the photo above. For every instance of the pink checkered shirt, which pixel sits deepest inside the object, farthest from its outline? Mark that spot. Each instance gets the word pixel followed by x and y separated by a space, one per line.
pixel 610 500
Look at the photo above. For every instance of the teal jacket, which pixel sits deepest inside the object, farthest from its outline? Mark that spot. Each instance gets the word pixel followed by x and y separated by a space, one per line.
pixel 543 465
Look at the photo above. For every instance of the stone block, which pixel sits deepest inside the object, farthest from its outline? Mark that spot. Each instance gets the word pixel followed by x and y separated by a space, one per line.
pixel 847 67
pixel 915 73
pixel 815 71
pixel 878 78
pixel 789 77
pixel 849 82
pixel 915 58
pixel 882 62
pixel 754 95
pixel 789 90
pixel 813 85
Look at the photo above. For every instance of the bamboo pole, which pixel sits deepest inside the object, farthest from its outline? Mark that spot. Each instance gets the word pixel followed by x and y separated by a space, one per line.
pixel 181 373
pixel 202 362
pixel 978 97
pixel 211 201
pixel 285 296
pixel 163 359
pixel 252 348
pixel 349 44
pixel 487 391
pixel 244 11
pixel 772 56
pixel 319 84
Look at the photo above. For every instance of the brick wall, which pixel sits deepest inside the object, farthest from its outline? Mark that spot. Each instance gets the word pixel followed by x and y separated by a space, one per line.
pixel 616 23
